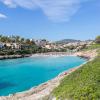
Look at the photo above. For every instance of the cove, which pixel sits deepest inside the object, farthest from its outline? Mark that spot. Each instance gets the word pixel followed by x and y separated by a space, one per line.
pixel 17 75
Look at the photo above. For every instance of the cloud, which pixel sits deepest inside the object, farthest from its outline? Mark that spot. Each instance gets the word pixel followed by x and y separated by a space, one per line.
pixel 9 3
pixel 29 4
pixel 55 10
pixel 2 16
pixel 59 10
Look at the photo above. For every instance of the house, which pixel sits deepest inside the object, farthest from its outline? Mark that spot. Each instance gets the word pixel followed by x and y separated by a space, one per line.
pixel 8 44
pixel 1 45
pixel 24 46
pixel 15 46
pixel 41 43
pixel 48 46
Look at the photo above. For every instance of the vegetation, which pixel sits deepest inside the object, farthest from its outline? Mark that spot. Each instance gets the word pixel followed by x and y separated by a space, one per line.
pixel 26 46
pixel 97 40
pixel 92 46
pixel 83 84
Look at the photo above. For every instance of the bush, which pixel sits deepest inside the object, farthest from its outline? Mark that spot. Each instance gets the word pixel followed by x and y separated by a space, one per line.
pixel 83 84
pixel 10 52
pixel 21 52
pixel 97 40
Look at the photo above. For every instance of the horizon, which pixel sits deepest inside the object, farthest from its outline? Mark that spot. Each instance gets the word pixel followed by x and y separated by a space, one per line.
pixel 47 39
pixel 41 19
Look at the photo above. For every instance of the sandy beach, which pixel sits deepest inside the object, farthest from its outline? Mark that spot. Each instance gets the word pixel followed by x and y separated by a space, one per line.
pixel 39 92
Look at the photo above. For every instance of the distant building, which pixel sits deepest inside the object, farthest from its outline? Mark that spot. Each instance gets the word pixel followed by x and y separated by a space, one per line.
pixel 24 46
pixel 41 43
pixel 8 44
pixel 1 45
pixel 48 46
pixel 15 46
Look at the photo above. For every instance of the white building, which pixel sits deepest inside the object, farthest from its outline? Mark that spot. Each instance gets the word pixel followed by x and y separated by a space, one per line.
pixel 15 46
pixel 1 45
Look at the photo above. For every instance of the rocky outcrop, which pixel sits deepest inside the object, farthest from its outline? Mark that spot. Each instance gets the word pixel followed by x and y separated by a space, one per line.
pixel 87 54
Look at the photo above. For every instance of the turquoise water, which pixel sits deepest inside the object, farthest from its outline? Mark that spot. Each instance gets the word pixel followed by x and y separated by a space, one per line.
pixel 21 74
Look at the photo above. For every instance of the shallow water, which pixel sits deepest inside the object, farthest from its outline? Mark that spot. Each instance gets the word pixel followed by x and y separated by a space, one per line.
pixel 21 74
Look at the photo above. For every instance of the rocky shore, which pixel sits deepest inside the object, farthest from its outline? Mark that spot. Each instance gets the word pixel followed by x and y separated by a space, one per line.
pixel 55 53
pixel 13 56
pixel 86 54
pixel 43 90
pixel 83 54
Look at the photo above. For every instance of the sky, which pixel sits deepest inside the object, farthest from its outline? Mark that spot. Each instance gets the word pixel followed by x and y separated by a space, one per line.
pixel 50 19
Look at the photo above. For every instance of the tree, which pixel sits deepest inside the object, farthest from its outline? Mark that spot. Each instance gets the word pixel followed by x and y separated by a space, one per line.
pixel 22 40
pixel 3 39
pixel 28 41
pixel 97 40
pixel 17 39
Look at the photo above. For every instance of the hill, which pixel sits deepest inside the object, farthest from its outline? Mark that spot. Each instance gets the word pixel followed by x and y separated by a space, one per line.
pixel 67 41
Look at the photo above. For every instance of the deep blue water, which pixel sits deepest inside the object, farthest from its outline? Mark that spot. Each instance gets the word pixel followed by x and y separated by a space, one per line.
pixel 21 74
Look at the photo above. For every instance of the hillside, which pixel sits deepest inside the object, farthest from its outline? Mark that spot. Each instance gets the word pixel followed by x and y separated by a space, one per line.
pixel 67 41
pixel 83 84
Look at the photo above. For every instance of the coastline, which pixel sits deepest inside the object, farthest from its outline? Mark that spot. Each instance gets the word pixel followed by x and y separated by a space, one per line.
pixel 13 56
pixel 44 89
pixel 35 55
pixel 80 54
pixel 53 54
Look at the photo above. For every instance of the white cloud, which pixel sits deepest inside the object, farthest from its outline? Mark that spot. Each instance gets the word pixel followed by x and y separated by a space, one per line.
pixel 55 10
pixel 2 16
pixel 59 10
pixel 30 4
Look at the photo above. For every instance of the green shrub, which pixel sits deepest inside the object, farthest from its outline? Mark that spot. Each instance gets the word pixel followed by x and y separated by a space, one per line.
pixel 83 84
pixel 97 40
